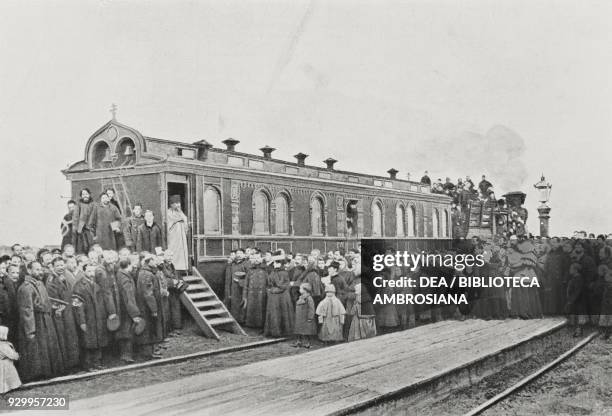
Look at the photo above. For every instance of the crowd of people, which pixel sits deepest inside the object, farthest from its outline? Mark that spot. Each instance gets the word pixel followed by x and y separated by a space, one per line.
pixel 574 275
pixel 111 291
pixel 463 191
pixel 322 294
pixel 306 295
pixel 65 311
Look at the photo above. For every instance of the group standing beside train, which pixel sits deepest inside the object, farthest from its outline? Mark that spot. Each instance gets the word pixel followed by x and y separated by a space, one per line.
pixel 111 291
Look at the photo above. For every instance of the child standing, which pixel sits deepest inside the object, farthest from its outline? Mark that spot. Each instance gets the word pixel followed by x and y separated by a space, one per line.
pixel 9 378
pixel 362 326
pixel 305 324
pixel 331 316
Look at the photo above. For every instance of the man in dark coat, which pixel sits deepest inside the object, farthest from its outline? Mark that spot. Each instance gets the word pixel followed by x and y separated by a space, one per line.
pixel 130 314
pixel 148 299
pixel 106 279
pixel 66 225
pixel 425 180
pixel 130 231
pixel 92 308
pixel 38 344
pixel 149 235
pixel 60 294
pixel 235 285
pixel 484 186
pixel 82 239
pixel 254 296
pixel 105 223
pixel 172 282
pixel 592 288
pixel 9 314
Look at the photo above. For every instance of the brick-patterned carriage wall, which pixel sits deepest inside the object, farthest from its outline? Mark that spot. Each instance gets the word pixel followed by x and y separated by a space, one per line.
pixel 141 188
pixel 214 270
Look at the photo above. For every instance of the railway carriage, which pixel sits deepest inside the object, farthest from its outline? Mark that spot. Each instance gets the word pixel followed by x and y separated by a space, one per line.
pixel 235 199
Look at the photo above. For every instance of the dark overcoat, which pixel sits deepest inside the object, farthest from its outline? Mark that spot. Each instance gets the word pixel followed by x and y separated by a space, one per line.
pixel 279 309
pixel 82 238
pixel 148 299
pixel 255 295
pixel 305 323
pixel 148 238
pixel 100 224
pixel 41 355
pixel 128 307
pixel 9 313
pixel 92 310
pixel 130 230
pixel 65 323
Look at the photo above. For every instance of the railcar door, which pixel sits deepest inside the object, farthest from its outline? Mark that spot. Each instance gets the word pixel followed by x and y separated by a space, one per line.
pixel 181 185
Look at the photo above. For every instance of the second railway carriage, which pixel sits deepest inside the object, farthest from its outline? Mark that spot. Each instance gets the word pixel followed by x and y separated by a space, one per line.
pixel 235 199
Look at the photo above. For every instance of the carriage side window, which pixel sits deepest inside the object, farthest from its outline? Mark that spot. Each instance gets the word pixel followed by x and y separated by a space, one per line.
pixel 445 223
pixel 411 221
pixel 212 211
pixel 317 223
pixel 400 219
pixel 377 219
pixel 261 213
pixel 435 223
pixel 281 222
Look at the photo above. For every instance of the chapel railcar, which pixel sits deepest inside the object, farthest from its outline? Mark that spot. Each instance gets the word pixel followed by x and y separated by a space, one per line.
pixel 237 199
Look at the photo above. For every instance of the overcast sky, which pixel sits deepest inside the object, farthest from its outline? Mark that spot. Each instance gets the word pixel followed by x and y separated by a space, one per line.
pixel 510 88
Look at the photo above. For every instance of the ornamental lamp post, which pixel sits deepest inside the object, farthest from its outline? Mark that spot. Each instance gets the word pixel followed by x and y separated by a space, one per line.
pixel 543 188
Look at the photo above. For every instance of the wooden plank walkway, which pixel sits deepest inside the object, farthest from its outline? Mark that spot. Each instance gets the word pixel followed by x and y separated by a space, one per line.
pixel 325 381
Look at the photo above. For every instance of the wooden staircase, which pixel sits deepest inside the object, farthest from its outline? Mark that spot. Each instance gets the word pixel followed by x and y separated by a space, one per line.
pixel 206 308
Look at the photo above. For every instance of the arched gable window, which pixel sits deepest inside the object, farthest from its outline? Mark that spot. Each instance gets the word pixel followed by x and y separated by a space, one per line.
pixel 400 220
pixel 101 156
pixel 412 221
pixel 212 210
pixel 261 213
pixel 377 219
pixel 435 223
pixel 281 217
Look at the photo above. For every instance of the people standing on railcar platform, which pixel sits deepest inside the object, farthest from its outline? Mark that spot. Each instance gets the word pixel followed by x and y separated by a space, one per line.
pixel 105 223
pixel 178 225
pixel 82 238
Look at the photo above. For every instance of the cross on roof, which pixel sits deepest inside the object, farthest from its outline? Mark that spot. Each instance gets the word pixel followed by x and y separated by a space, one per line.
pixel 113 111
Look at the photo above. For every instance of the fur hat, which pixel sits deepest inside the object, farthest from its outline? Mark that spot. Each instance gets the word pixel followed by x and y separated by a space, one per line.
pixel 174 199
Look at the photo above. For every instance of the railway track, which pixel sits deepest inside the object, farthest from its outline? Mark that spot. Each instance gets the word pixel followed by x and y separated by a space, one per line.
pixel 149 364
pixel 530 378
